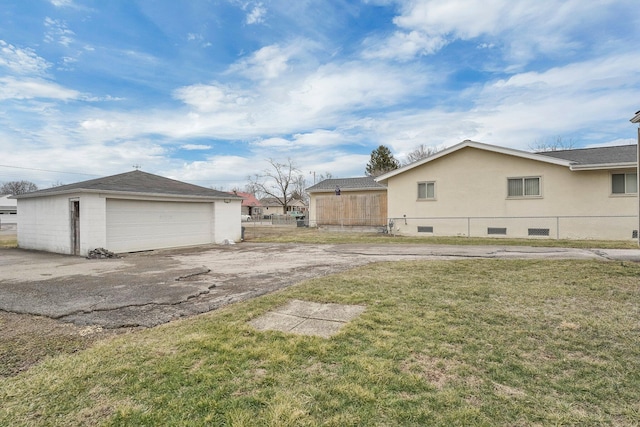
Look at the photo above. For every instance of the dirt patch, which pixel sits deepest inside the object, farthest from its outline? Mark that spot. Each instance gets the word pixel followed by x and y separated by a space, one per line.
pixel 8 236
pixel 27 340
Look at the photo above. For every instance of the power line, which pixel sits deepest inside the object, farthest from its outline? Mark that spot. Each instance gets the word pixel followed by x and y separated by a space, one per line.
pixel 47 170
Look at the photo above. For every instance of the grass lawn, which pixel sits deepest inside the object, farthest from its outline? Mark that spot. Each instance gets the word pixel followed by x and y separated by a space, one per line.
pixel 259 233
pixel 470 342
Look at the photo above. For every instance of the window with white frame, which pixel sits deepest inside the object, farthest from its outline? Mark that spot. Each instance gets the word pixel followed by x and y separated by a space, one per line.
pixel 624 183
pixel 523 187
pixel 426 190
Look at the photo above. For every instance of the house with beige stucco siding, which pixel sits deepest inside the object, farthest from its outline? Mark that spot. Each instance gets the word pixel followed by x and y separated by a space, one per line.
pixel 480 190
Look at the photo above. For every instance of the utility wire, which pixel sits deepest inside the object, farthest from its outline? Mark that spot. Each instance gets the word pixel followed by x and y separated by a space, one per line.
pixel 47 170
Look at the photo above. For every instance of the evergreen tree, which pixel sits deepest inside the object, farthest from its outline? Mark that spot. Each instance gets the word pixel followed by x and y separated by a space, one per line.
pixel 382 161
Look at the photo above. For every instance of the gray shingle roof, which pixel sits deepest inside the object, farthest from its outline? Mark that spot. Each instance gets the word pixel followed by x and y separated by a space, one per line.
pixel 347 184
pixel 597 155
pixel 135 182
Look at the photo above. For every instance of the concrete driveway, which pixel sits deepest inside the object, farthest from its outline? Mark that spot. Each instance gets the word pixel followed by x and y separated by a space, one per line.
pixel 150 288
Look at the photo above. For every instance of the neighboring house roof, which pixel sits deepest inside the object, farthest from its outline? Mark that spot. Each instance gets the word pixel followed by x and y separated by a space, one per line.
pixel 612 157
pixel 7 203
pixel 598 157
pixel 248 199
pixel 346 184
pixel 134 183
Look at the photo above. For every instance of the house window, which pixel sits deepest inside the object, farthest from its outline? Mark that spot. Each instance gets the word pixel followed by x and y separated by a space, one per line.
pixel 523 187
pixel 426 190
pixel 624 183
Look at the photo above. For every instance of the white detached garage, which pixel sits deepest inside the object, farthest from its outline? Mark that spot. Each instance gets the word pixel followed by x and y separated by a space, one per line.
pixel 128 212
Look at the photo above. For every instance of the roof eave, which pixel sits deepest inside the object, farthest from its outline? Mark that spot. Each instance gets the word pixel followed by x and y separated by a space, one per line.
pixel 125 193
pixel 636 118
pixel 481 146
pixel 332 190
pixel 603 166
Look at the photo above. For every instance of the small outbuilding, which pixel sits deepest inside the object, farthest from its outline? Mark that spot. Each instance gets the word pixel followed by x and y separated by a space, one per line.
pixel 129 212
pixel 353 203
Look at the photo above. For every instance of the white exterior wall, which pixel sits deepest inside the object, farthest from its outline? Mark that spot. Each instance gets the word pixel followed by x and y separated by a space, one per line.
pixel 45 224
pixel 92 223
pixel 227 221
pixel 473 183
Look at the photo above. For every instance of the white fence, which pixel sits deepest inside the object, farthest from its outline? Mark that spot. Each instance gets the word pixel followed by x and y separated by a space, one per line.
pixel 278 220
pixel 547 227
pixel 6 219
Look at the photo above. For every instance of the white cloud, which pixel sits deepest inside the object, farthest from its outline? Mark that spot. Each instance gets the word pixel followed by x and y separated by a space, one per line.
pixel 523 27
pixel 403 46
pixel 12 88
pixel 62 3
pixel 266 63
pixel 257 14
pixel 98 125
pixel 355 86
pixel 22 61
pixel 218 171
pixel 58 32
pixel 210 98
pixel 195 147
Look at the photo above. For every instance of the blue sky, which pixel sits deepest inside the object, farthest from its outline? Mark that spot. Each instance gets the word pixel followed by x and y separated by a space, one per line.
pixel 206 90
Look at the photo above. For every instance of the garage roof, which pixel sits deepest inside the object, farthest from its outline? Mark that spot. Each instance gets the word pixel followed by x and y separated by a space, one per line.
pixel 134 183
pixel 347 184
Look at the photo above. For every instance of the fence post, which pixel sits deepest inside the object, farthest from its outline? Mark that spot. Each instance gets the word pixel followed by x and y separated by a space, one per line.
pixel 557 228
pixel 468 226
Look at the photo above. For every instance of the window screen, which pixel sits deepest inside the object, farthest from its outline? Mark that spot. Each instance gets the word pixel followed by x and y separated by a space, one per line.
pixel 519 187
pixel 617 183
pixel 624 183
pixel 426 190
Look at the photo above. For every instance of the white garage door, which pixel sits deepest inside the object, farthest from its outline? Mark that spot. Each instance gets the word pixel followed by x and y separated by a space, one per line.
pixel 134 225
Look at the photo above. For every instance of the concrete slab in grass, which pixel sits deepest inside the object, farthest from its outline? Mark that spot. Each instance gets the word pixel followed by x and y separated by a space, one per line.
pixel 308 318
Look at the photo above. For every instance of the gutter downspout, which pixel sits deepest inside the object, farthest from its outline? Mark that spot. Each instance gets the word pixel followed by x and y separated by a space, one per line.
pixel 636 119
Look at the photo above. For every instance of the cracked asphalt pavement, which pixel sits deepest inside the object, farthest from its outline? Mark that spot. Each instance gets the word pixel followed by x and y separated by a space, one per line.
pixel 151 288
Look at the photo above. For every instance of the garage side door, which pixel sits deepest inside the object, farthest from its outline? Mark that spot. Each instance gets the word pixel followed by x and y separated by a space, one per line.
pixel 134 225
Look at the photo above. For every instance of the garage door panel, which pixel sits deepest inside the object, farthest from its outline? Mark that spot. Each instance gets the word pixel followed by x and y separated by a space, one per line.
pixel 141 225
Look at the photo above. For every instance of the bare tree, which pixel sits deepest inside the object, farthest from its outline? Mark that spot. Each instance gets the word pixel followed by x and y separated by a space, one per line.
pixel 420 152
pixel 323 176
pixel 278 182
pixel 18 187
pixel 254 189
pixel 552 144
pixel 320 177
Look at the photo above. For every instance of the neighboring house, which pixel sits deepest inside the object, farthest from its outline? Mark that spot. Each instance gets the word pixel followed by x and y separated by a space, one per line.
pixel 133 211
pixel 8 209
pixel 250 205
pixel 352 202
pixel 273 206
pixel 484 190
